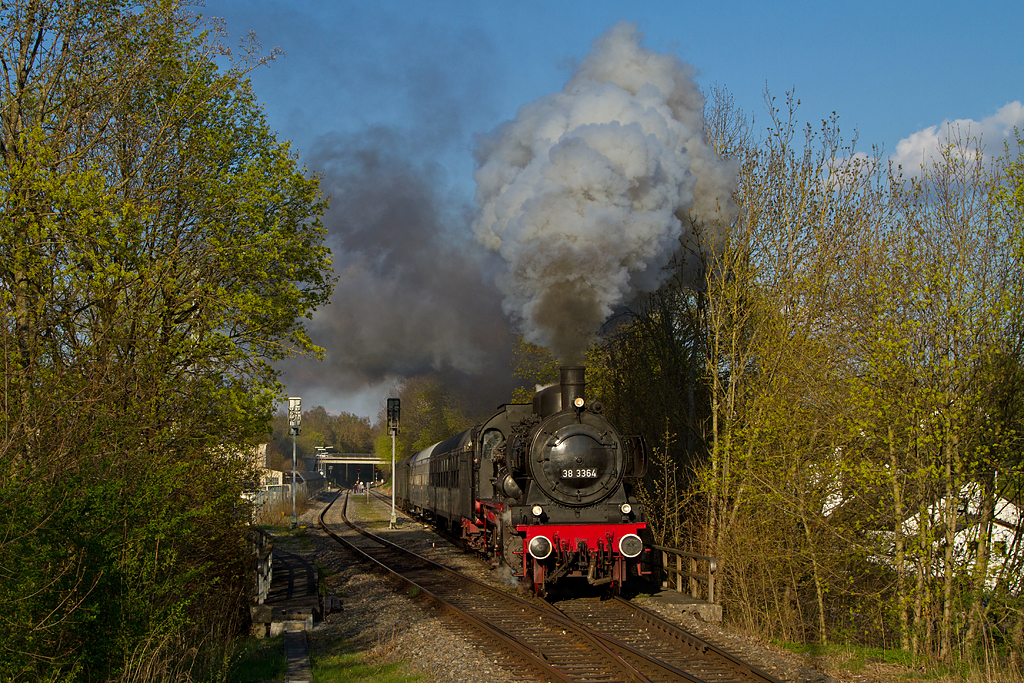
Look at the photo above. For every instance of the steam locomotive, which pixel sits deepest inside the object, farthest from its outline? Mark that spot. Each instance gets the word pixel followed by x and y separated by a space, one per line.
pixel 544 490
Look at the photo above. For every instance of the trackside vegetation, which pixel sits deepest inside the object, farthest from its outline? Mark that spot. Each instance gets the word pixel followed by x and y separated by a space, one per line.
pixel 159 247
pixel 835 393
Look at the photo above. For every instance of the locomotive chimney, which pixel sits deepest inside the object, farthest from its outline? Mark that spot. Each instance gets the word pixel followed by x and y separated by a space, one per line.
pixel 574 384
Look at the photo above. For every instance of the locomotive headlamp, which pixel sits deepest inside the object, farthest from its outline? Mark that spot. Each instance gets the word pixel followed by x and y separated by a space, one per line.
pixel 578 402
pixel 630 545
pixel 540 547
pixel 626 508
pixel 537 510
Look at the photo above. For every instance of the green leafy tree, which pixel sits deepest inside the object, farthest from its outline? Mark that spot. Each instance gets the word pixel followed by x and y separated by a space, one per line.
pixel 936 365
pixel 158 249
pixel 533 366
pixel 345 433
pixel 431 412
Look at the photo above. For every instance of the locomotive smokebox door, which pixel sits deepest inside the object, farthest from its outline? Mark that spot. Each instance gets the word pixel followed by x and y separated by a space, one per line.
pixel 576 463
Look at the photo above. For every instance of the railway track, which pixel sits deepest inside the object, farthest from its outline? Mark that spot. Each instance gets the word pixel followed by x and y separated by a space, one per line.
pixel 584 640
pixel 643 631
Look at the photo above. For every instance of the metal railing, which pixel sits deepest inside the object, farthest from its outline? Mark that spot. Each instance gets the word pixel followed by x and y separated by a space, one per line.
pixel 263 563
pixel 689 577
pixel 267 504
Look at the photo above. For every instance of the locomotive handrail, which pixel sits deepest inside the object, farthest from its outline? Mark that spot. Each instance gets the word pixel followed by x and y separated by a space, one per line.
pixel 707 578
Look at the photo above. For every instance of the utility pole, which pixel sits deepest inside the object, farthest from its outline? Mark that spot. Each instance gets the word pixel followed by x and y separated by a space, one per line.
pixel 394 407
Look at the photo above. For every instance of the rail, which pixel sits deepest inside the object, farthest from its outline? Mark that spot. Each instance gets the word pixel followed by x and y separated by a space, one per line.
pixel 707 578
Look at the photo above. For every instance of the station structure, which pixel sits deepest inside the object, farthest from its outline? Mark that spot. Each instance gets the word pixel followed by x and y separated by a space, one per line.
pixel 364 467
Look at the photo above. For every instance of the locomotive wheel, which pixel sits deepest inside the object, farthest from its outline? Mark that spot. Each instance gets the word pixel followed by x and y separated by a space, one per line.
pixel 511 543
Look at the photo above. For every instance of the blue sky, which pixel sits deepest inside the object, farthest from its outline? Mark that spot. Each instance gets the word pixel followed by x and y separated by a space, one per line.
pixel 430 76
pixel 887 69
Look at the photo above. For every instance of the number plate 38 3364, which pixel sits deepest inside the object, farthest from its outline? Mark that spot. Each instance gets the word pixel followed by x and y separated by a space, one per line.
pixel 583 473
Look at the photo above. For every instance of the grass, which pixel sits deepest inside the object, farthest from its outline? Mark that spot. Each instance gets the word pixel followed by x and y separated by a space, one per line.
pixel 361 501
pixel 259 659
pixel 352 667
pixel 851 657
pixel 262 659
pixel 855 659
pixel 285 532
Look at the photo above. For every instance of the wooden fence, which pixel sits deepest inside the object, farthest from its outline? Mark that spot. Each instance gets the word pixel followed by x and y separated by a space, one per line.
pixel 688 573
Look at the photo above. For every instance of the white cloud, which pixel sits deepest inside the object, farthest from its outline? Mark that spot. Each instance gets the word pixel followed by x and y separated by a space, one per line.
pixel 985 137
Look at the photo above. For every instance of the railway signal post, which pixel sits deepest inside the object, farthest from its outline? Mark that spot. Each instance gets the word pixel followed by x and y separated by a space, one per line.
pixel 394 407
pixel 294 420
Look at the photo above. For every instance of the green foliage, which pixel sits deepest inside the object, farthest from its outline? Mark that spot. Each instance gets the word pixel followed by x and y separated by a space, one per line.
pixel 347 433
pixel 431 412
pixel 259 659
pixel 159 249
pixel 533 366
pixel 649 375
pixel 662 500
pixel 834 394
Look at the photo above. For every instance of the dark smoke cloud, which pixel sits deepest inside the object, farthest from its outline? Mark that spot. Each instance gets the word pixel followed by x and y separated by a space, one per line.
pixel 412 295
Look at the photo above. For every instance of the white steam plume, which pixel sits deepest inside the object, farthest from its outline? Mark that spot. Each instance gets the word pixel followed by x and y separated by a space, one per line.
pixel 587 193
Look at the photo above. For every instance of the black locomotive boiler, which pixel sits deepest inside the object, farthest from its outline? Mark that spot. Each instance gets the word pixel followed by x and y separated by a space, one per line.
pixel 543 489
